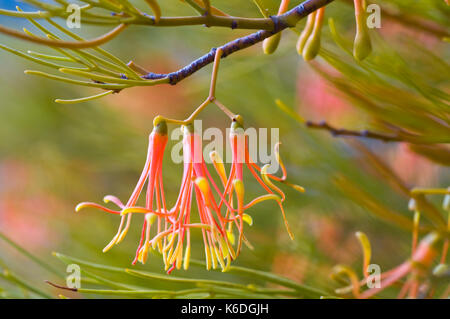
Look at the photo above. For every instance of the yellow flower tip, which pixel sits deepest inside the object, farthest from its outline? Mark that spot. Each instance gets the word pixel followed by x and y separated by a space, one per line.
pixel 122 235
pixel 207 258
pixel 80 206
pixel 111 244
pixel 187 258
pixel 143 254
pixel 108 247
pixel 224 247
pixel 239 188
pixel 248 219
pixel 298 188
pixel 291 235
pixel 203 185
pixel 231 237
pixel 365 245
pixel 106 199
pixel 217 161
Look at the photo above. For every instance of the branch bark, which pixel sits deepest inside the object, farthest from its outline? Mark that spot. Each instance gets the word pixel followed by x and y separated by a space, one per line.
pixel 281 22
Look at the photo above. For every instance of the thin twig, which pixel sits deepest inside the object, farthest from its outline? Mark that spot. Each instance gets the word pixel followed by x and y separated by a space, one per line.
pixel 345 132
pixel 281 22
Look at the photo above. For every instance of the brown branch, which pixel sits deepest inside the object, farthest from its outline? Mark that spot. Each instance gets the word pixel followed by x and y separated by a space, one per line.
pixel 281 22
pixel 345 132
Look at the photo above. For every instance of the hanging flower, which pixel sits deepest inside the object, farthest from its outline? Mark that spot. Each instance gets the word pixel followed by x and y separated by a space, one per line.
pixel 173 234
pixel 196 180
pixel 235 182
pixel 153 173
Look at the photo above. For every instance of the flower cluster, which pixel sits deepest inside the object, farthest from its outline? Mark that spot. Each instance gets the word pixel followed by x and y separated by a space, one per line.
pixel 221 208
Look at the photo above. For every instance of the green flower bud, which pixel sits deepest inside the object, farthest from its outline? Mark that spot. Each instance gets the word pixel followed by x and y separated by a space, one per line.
pixel 271 44
pixel 361 46
pixel 312 45
pixel 305 33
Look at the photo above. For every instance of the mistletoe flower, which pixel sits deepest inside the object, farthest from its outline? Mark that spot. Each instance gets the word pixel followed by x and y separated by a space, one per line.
pixel 152 173
pixel 175 237
pixel 235 182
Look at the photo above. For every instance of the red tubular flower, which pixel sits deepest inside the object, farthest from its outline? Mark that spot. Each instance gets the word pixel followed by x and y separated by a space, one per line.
pixel 196 180
pixel 172 238
pixel 240 155
pixel 153 173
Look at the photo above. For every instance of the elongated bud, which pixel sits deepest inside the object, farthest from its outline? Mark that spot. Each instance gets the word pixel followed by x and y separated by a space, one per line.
pixel 361 46
pixel 312 45
pixel 218 165
pixel 271 44
pixel 306 33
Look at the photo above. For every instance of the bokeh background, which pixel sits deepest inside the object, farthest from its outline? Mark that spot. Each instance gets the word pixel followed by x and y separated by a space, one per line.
pixel 54 156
